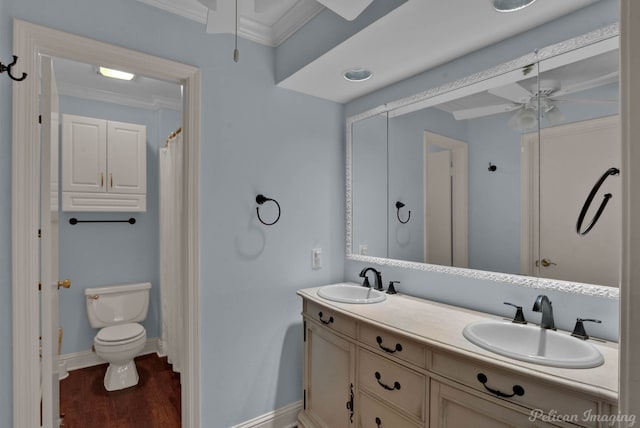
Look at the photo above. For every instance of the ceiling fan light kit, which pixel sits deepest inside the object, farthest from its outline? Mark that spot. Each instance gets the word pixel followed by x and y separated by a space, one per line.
pixel 510 5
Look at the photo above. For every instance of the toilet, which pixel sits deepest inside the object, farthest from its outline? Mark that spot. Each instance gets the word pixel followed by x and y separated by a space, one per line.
pixel 117 310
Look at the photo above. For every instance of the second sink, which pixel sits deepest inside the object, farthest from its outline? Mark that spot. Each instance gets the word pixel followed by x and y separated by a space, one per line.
pixel 533 344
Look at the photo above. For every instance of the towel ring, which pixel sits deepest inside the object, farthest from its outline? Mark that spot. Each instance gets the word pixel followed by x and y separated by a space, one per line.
pixel 261 199
pixel 398 206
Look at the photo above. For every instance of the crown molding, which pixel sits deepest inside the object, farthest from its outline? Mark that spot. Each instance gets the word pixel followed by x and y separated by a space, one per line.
pixel 294 19
pixel 301 13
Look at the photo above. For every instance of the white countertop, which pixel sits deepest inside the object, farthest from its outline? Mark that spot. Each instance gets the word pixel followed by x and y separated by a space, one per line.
pixel 440 326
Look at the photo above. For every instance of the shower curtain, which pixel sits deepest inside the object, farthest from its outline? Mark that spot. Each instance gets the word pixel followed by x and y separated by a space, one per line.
pixel 171 260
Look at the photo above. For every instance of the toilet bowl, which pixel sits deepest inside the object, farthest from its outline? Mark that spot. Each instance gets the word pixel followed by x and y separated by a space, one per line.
pixel 116 310
pixel 119 345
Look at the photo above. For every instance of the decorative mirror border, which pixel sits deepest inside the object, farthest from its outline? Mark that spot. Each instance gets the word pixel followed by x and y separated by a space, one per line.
pixel 520 280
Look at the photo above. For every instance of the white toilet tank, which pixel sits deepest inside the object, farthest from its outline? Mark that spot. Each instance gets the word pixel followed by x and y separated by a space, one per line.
pixel 117 304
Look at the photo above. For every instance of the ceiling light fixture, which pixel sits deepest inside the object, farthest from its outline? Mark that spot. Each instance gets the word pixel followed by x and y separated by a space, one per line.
pixel 510 5
pixel 357 74
pixel 115 74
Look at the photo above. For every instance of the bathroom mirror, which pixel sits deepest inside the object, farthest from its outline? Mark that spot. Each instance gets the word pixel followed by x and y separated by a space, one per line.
pixel 458 178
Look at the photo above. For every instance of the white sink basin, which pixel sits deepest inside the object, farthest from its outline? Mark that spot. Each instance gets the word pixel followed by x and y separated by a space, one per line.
pixel 533 344
pixel 351 293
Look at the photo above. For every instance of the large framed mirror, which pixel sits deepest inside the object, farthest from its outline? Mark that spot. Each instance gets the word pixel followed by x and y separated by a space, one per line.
pixel 487 176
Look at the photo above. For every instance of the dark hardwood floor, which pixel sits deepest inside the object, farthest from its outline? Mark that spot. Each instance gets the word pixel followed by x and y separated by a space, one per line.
pixel 154 402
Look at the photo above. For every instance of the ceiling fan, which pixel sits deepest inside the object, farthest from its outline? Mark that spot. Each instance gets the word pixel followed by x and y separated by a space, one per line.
pixel 221 16
pixel 526 103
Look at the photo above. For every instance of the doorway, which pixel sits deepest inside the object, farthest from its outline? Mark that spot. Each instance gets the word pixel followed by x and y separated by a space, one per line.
pixel 571 158
pixel 31 41
pixel 445 200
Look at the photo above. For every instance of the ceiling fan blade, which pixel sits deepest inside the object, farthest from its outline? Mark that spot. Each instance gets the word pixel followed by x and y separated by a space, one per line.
pixel 210 4
pixel 472 113
pixel 588 84
pixel 222 18
pixel 261 6
pixel 583 101
pixel 513 92
pixel 348 9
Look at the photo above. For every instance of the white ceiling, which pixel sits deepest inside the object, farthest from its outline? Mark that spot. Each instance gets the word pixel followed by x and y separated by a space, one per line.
pixel 82 80
pixel 416 36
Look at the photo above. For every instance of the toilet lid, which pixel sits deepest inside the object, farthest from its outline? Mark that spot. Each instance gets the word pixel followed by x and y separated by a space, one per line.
pixel 117 333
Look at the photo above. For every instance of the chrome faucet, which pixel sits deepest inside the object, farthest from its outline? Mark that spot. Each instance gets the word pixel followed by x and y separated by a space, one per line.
pixel 543 304
pixel 365 283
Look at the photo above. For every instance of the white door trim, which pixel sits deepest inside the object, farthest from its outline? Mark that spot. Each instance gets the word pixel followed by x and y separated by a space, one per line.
pixel 30 40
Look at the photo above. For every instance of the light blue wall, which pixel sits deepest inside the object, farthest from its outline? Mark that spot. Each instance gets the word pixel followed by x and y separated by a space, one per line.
pixel 255 138
pixel 100 254
pixel 487 295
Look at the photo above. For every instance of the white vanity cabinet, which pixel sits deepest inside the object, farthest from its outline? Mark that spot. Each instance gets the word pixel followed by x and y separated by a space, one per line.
pixel 362 372
pixel 104 165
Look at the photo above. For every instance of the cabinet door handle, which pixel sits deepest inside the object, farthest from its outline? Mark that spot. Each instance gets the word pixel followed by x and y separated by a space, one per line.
pixel 396 384
pixel 350 404
pixel 111 179
pixel 378 422
pixel 398 347
pixel 323 321
pixel 517 389
pixel 102 179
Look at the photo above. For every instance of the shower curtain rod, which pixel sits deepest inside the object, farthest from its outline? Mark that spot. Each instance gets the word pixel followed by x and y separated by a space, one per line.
pixel 173 135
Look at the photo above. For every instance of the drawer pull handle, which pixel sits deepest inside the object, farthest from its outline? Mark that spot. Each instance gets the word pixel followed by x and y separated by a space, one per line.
pixel 517 389
pixel 323 321
pixel 396 384
pixel 389 350
pixel 379 422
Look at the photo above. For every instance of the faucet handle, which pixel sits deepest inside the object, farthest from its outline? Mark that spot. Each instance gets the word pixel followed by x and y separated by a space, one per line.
pixel 519 317
pixel 579 331
pixel 392 288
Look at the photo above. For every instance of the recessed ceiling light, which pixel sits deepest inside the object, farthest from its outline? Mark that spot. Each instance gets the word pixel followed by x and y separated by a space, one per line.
pixel 115 74
pixel 357 74
pixel 510 5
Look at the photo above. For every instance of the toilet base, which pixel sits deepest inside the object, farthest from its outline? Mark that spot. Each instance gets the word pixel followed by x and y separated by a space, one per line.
pixel 121 376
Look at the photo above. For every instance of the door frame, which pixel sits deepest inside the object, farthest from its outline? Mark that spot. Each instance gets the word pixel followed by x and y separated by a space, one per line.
pixel 30 40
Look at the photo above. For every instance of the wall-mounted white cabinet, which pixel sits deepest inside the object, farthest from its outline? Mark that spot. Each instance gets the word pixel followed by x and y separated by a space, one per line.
pixel 104 165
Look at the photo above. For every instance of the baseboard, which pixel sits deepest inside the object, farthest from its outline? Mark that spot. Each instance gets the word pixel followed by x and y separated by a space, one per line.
pixel 83 359
pixel 284 417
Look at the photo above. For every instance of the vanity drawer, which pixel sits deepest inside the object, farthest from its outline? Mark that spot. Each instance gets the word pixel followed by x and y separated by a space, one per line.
pixel 392 344
pixel 397 385
pixel 538 395
pixel 372 413
pixel 330 319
